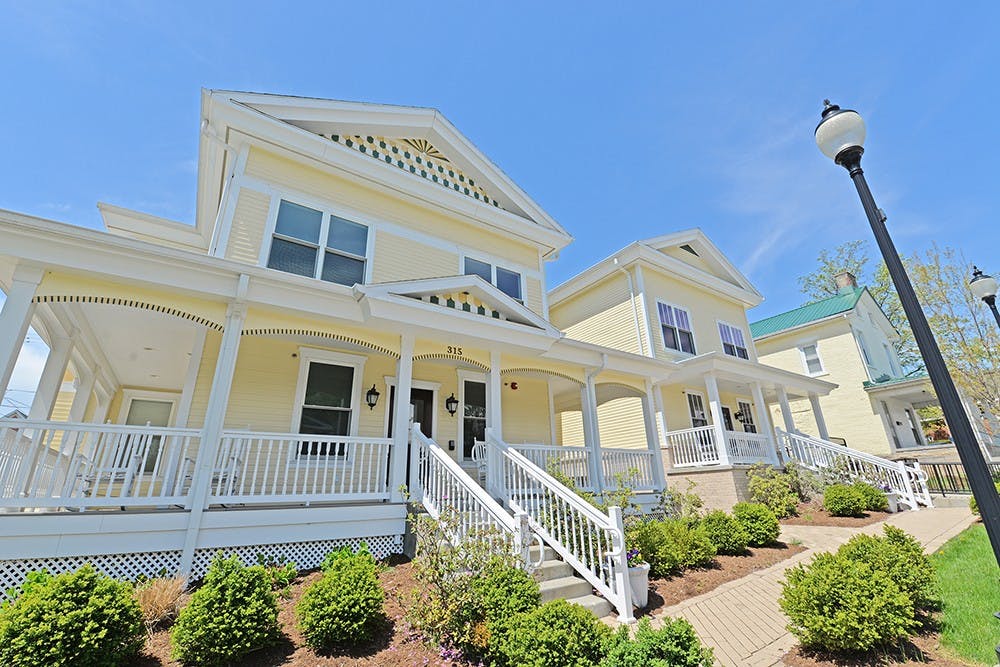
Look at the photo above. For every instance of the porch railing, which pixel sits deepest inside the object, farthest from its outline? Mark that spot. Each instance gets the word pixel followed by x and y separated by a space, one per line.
pixel 591 542
pixel 908 483
pixel 573 462
pixel 748 447
pixel 693 447
pixel 55 464
pixel 255 467
pixel 636 466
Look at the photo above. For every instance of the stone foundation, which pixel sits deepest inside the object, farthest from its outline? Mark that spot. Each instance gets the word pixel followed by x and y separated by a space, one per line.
pixel 719 487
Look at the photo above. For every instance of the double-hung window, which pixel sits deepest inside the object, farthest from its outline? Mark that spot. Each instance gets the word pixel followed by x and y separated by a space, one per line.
pixel 505 280
pixel 327 406
pixel 811 360
pixel 746 411
pixel 675 323
pixel 317 244
pixel 733 342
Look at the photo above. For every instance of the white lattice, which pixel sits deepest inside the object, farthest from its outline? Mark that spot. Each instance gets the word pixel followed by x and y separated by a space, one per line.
pixel 305 555
pixel 128 566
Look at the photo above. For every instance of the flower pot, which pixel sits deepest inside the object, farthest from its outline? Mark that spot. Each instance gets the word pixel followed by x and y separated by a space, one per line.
pixel 638 581
pixel 893 502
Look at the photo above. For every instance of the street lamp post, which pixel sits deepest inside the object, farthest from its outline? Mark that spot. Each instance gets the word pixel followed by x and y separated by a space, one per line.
pixel 984 286
pixel 840 135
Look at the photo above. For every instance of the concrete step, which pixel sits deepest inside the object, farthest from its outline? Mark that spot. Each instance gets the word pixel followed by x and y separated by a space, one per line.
pixel 596 605
pixel 548 554
pixel 552 569
pixel 564 588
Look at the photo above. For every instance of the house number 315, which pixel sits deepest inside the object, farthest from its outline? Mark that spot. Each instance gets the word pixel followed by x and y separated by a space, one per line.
pixel 457 351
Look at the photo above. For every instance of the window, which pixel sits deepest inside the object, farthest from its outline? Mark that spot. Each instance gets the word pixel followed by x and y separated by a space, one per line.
pixel 320 245
pixel 147 412
pixel 696 407
pixel 864 348
pixel 474 416
pixel 733 342
pixel 505 280
pixel 327 405
pixel 810 357
pixel 676 326
pixel 746 412
pixel 890 357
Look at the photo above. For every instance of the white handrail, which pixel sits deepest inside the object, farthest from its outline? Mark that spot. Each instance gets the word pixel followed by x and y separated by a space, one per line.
pixel 746 447
pixel 591 542
pixel 908 483
pixel 693 447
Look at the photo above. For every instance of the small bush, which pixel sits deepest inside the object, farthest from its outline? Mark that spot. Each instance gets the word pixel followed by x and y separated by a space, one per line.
pixel 280 571
pixel 759 522
pixel 805 483
pixel 232 614
pixel 837 604
pixel 673 645
pixel 726 533
pixel 78 619
pixel 344 606
pixel 160 600
pixel 901 557
pixel 843 500
pixel 974 506
pixel 672 545
pixel 684 505
pixel 875 499
pixel 504 591
pixel 772 488
pixel 557 634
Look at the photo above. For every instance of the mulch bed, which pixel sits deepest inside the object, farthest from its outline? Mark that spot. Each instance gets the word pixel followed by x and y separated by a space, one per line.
pixel 813 514
pixel 921 650
pixel 668 592
pixel 397 644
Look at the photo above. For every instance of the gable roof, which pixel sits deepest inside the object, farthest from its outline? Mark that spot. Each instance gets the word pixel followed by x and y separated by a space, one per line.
pixel 811 312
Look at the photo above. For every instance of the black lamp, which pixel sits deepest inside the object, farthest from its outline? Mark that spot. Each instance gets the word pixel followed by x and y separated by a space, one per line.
pixel 371 398
pixel 451 404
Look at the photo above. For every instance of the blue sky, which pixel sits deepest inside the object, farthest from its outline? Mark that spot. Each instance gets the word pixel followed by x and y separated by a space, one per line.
pixel 623 120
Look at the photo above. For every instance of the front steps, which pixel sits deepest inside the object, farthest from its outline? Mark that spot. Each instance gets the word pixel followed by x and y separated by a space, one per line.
pixel 557 581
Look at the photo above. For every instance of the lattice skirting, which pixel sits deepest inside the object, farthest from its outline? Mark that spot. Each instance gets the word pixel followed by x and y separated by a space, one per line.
pixel 131 566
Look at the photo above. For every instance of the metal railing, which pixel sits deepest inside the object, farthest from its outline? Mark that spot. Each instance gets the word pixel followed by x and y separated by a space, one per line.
pixel 949 477
pixel 591 542
pixel 908 483
pixel 693 447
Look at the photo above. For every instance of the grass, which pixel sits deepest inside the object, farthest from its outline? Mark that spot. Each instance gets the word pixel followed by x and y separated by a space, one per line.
pixel 970 591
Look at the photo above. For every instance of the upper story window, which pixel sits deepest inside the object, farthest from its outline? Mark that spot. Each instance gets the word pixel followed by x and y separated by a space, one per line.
pixel 811 360
pixel 505 280
pixel 313 243
pixel 863 344
pixel 675 324
pixel 890 357
pixel 733 341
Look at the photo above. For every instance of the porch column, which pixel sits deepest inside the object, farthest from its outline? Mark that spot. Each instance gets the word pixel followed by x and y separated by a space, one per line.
pixel 15 318
pixel 103 396
pixel 653 436
pixel 786 409
pixel 719 426
pixel 401 424
pixel 764 419
pixel 494 395
pixel 60 349
pixel 592 434
pixel 215 419
pixel 84 388
pixel 818 414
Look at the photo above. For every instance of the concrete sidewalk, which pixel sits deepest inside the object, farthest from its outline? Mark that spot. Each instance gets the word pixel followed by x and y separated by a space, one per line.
pixel 741 620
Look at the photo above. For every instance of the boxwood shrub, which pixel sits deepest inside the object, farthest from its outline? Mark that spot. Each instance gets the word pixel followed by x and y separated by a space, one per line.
pixel 901 557
pixel 843 500
pixel 78 619
pixel 875 499
pixel 674 644
pixel 672 545
pixel 344 606
pixel 759 522
pixel 556 634
pixel 727 534
pixel 771 487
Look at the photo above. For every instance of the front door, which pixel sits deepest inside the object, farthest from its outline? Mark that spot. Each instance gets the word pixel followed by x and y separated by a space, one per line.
pixel 422 401
pixel 147 412
pixel 727 418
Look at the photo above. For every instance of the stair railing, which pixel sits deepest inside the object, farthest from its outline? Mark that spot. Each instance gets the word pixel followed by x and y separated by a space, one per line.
pixel 591 542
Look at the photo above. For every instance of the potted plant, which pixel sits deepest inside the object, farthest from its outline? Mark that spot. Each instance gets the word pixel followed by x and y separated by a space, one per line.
pixel 891 496
pixel 638 577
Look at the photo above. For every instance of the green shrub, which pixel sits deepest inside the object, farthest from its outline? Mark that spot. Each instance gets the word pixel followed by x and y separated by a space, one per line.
pixel 557 634
pixel 344 606
pixel 837 604
pixel 772 488
pixel 875 499
pixel 974 506
pixel 343 553
pixel 504 591
pixel 684 505
pixel 843 500
pixel 78 619
pixel 901 557
pixel 726 533
pixel 672 545
pixel 805 483
pixel 673 645
pixel 232 614
pixel 759 522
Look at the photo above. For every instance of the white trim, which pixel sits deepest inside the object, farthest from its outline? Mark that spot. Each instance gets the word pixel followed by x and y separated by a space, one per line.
pixel 640 287
pixel 434 387
pixel 309 355
pixel 191 380
pixel 129 395
pixel 227 205
pixel 805 362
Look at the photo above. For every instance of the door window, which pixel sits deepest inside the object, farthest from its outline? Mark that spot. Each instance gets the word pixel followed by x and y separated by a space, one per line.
pixel 746 409
pixel 696 407
pixel 142 412
pixel 474 416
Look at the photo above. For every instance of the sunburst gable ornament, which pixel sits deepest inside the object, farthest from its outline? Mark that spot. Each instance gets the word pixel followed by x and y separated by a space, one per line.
pixel 425 147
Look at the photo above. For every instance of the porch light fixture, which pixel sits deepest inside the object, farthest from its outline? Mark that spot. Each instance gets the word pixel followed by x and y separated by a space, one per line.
pixel 984 286
pixel 371 398
pixel 840 136
pixel 740 417
pixel 451 404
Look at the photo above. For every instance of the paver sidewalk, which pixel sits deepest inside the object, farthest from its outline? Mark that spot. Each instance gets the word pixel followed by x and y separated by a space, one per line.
pixel 741 620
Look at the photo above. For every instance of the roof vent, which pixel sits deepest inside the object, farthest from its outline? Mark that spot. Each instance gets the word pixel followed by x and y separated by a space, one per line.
pixel 846 282
pixel 690 250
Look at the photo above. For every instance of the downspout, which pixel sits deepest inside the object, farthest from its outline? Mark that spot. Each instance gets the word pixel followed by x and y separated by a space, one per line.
pixel 635 311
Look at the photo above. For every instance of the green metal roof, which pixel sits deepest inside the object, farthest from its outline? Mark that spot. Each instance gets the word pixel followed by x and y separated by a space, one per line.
pixel 839 303
pixel 885 380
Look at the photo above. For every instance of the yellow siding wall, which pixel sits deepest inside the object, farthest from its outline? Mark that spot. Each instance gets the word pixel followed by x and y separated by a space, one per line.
pixel 399 258
pixel 249 225
pixel 602 314
pixel 533 289
pixel 621 424
pixel 60 409
pixel 526 411
pixel 678 415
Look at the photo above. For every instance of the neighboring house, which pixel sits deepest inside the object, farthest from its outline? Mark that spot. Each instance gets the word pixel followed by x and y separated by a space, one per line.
pixel 876 407
pixel 14 414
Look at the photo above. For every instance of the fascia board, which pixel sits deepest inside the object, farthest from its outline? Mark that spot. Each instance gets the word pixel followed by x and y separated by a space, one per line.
pixel 676 268
pixel 900 387
pixel 891 332
pixel 751 370
pixel 128 221
pixel 698 235
pixel 211 172
pixel 282 137
pixel 593 275
pixel 805 325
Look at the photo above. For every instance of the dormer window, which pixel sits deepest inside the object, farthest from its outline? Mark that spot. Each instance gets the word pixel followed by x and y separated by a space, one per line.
pixel 733 342
pixel 505 280
pixel 675 323
pixel 318 244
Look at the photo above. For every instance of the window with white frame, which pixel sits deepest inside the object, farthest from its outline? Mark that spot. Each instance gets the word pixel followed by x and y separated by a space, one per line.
pixel 675 325
pixel 505 280
pixel 746 414
pixel 811 360
pixel 318 244
pixel 328 403
pixel 696 409
pixel 733 341
pixel 890 358
pixel 864 349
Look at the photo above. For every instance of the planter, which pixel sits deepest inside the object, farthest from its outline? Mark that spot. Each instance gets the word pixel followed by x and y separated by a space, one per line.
pixel 893 499
pixel 638 581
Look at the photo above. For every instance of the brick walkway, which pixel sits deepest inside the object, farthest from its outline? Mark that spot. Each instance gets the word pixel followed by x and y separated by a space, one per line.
pixel 741 620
